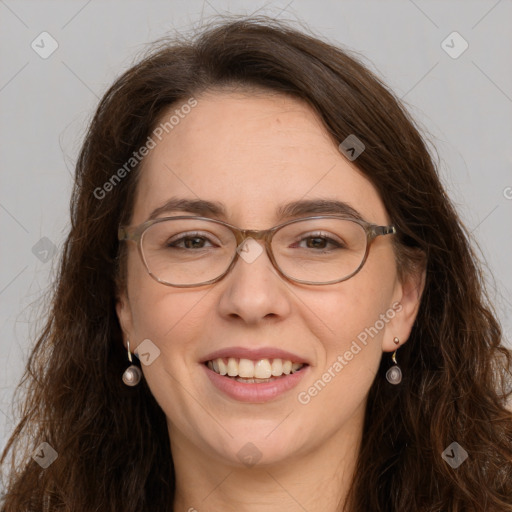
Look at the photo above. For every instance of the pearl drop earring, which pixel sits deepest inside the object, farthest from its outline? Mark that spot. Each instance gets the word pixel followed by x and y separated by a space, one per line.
pixel 132 374
pixel 394 374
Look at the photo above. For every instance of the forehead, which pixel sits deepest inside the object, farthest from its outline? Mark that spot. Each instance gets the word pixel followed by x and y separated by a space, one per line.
pixel 251 154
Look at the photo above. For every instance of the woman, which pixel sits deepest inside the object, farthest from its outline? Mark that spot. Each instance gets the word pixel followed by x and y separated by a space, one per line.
pixel 257 219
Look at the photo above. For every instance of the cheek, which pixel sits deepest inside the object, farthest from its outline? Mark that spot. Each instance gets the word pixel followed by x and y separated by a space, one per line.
pixel 171 319
pixel 162 313
pixel 351 322
pixel 350 329
pixel 358 309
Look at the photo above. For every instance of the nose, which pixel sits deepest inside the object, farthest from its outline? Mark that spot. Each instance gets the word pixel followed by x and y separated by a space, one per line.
pixel 253 289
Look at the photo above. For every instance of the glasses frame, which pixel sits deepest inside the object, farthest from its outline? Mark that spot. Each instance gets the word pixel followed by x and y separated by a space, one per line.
pixel 135 234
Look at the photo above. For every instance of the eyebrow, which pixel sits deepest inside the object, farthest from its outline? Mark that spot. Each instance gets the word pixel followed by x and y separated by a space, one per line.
pixel 283 212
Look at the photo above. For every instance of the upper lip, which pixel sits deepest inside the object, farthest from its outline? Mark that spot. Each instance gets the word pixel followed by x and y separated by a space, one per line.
pixel 255 354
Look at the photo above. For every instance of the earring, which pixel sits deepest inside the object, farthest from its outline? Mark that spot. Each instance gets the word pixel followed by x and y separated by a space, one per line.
pixel 394 374
pixel 132 374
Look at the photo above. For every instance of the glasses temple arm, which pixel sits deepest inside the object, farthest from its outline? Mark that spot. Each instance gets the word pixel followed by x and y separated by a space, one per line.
pixel 384 230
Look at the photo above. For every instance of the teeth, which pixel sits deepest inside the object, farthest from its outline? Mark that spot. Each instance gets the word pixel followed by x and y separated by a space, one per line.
pixel 277 367
pixel 246 370
pixel 232 367
pixel 223 369
pixel 262 369
pixel 254 381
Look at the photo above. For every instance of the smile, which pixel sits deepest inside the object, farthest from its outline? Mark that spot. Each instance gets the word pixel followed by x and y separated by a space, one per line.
pixel 253 371
pixel 254 381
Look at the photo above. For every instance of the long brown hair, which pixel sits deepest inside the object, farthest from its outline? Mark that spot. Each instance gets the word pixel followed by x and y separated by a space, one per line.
pixel 112 441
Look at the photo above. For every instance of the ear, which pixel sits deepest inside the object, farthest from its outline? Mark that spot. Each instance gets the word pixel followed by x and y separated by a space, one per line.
pixel 407 299
pixel 124 315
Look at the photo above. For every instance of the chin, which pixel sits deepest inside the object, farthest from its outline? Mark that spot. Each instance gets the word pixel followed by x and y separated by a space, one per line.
pixel 261 450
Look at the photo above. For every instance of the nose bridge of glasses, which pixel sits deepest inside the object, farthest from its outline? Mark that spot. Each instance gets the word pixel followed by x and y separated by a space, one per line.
pixel 257 234
pixel 242 235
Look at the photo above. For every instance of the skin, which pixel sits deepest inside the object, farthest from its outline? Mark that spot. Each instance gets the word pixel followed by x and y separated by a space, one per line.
pixel 253 152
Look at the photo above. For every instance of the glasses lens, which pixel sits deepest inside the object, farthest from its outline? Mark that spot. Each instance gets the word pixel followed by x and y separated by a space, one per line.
pixel 320 250
pixel 187 251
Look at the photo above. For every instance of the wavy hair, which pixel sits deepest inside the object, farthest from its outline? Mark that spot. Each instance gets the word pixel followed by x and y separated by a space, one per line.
pixel 112 441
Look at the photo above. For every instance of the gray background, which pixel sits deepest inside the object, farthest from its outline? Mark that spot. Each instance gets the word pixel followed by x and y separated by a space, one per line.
pixel 463 104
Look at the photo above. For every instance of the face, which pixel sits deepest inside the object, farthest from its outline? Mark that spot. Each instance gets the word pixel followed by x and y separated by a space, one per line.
pixel 253 153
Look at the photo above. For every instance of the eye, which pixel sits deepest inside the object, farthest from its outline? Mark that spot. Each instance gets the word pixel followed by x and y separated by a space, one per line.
pixel 189 241
pixel 321 241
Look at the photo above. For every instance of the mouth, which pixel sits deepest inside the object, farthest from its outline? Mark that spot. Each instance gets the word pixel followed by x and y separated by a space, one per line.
pixel 257 371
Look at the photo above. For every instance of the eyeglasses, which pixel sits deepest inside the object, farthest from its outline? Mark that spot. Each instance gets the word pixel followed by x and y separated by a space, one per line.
pixel 188 251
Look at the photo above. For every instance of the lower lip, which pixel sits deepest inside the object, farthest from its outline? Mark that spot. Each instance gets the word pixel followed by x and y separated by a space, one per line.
pixel 261 392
